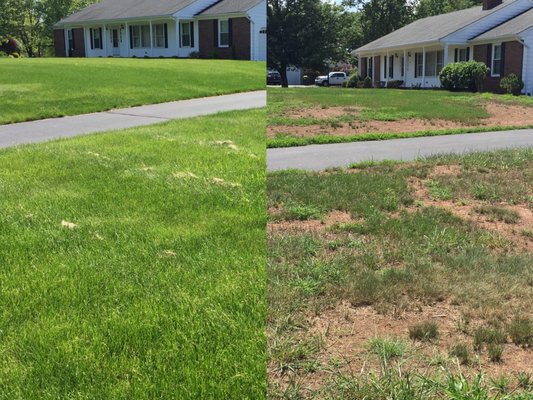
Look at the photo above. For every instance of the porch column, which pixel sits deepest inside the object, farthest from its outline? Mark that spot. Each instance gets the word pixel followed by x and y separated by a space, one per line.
pixel 151 40
pixel 128 39
pixel 424 67
pixel 446 54
pixel 104 38
pixel 405 63
pixel 65 35
pixel 387 67
pixel 178 43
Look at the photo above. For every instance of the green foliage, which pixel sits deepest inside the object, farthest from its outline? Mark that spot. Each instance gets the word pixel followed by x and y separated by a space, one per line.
pixel 394 84
pixel 512 84
pixel 353 79
pixel 521 332
pixel 464 76
pixel 302 33
pixel 428 8
pixel 461 352
pixel 425 331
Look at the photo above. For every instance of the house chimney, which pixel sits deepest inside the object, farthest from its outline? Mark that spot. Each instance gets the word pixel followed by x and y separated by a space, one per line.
pixel 490 4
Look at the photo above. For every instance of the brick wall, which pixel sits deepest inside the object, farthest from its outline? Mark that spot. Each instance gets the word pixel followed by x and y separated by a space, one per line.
pixel 512 63
pixel 59 42
pixel 241 40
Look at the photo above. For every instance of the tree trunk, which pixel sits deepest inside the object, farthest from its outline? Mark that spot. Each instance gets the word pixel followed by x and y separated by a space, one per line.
pixel 283 73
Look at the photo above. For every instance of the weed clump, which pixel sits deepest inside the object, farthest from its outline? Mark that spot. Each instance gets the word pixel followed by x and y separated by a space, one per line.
pixel 424 332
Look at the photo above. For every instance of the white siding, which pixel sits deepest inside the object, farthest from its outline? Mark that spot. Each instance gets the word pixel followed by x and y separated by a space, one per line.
pixel 258 22
pixel 191 10
pixel 528 62
pixel 489 22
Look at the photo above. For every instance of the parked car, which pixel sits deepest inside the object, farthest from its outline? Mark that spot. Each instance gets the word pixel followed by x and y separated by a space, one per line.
pixel 273 78
pixel 331 79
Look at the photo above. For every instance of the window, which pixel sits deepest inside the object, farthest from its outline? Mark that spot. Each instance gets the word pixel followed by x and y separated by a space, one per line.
pixel 70 36
pixel 462 55
pixel 160 39
pixel 223 33
pixel 434 62
pixel 140 36
pixel 419 64
pixel 496 60
pixel 185 34
pixel 96 38
pixel 391 67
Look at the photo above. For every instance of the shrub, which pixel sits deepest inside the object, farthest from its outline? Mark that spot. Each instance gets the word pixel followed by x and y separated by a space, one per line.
pixel 512 84
pixel 395 84
pixel 463 76
pixel 10 46
pixel 195 54
pixel 424 332
pixel 353 80
pixel 367 82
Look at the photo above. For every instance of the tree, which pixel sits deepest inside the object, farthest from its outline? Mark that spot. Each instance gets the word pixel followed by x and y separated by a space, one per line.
pixel 302 33
pixel 31 21
pixel 428 8
pixel 381 17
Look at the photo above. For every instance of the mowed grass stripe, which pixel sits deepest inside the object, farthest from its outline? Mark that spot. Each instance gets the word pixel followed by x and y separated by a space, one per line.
pixel 157 290
pixel 33 89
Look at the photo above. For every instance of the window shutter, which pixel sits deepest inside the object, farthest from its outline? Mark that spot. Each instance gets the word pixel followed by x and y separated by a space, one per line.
pixel 192 33
pixel 131 37
pixel 101 40
pixel 215 31
pixel 385 72
pixel 166 36
pixel 489 57
pixel 92 39
pixel 180 39
pixel 416 65
pixel 230 30
pixel 468 54
pixel 502 62
pixel 456 57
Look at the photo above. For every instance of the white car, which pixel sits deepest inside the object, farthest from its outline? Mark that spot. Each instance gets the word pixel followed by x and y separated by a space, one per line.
pixel 331 79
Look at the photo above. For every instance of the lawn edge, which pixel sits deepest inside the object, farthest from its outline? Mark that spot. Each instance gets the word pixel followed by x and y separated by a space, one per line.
pixel 289 141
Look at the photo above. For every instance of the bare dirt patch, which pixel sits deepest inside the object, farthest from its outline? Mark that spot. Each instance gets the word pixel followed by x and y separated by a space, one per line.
pixel 322 113
pixel 346 331
pixel 331 219
pixel 511 231
pixel 500 115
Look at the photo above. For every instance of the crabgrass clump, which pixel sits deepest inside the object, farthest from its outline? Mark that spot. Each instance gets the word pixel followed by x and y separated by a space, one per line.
pixel 489 336
pixel 301 213
pixel 521 332
pixel 387 348
pixel 498 214
pixel 461 352
pixel 495 352
pixel 424 332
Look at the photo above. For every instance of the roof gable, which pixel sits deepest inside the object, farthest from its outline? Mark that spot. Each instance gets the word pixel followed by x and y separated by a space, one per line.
pixel 432 29
pixel 124 9
pixel 514 27
pixel 230 7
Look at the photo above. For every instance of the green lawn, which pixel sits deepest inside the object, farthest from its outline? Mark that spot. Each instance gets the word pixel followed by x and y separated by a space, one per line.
pixel 41 88
pixel 133 263
pixel 403 280
pixel 351 109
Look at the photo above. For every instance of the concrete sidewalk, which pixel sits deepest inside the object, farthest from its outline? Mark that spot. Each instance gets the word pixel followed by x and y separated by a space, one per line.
pixel 49 129
pixel 319 157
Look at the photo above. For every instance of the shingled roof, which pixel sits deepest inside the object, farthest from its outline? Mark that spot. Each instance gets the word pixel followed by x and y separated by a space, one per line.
pixel 431 29
pixel 511 28
pixel 230 7
pixel 124 9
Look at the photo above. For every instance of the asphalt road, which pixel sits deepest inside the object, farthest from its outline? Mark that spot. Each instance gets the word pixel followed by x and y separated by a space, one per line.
pixel 319 157
pixel 49 129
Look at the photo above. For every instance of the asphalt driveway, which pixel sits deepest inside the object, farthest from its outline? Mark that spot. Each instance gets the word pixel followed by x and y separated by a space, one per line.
pixel 319 157
pixel 49 129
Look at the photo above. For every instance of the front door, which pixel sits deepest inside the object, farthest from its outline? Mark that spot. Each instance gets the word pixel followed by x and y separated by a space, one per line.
pixel 115 38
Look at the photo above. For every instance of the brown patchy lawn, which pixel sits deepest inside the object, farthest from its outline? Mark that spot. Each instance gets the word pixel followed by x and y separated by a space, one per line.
pixel 360 257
